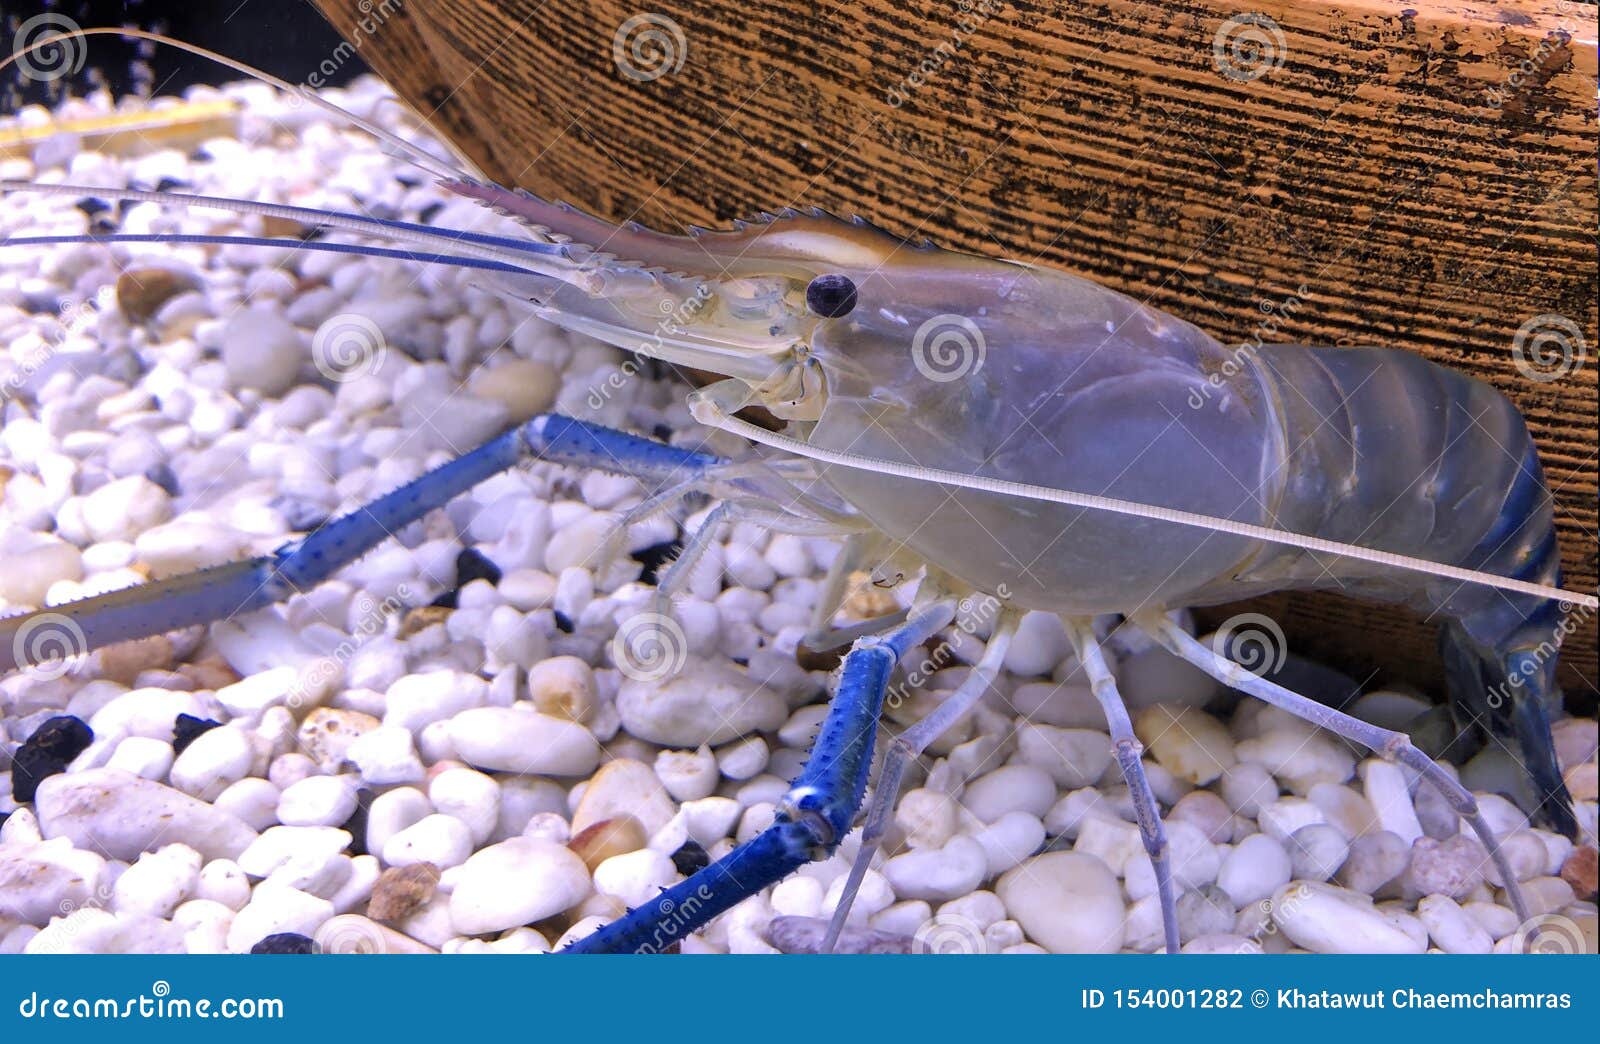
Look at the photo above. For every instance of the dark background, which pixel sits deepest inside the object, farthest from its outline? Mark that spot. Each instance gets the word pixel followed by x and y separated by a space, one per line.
pixel 287 38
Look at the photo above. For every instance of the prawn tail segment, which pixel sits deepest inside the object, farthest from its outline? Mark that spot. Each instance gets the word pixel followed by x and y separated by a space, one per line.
pixel 1500 651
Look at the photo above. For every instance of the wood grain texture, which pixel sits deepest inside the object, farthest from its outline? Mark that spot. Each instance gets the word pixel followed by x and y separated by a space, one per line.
pixel 1427 174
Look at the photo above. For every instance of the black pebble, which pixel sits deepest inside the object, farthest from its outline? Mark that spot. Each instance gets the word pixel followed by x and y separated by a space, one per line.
pixel 169 184
pixel 691 858
pixel 163 476
pixel 426 215
pixel 187 728
pixel 356 825
pixel 48 751
pixel 654 557
pixel 662 432
pixel 563 622
pixel 92 206
pixel 472 565
pixel 285 942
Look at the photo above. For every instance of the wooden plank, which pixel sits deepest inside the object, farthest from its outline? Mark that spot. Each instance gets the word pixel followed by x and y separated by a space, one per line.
pixel 1427 173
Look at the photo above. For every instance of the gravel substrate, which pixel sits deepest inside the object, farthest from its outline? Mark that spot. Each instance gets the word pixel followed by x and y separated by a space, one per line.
pixel 438 751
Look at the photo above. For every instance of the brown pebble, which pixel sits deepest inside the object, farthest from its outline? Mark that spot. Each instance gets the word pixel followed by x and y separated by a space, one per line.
pixel 600 841
pixel 142 291
pixel 401 891
pixel 282 228
pixel 422 618
pixel 125 661
pixel 811 659
pixel 1580 871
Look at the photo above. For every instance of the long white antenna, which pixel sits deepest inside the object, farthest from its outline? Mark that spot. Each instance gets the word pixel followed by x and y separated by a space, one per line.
pixel 709 413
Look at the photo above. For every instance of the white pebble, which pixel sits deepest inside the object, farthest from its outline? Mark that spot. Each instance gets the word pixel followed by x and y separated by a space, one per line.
pixel 158 882
pixel 1010 788
pixel 1256 868
pixel 510 739
pixel 513 883
pixel 938 873
pixel 706 703
pixel 470 797
pixel 327 801
pixel 635 877
pixel 688 775
pixel 1325 919
pixel 385 755
pixel 1067 902
pixel 214 761
pixel 441 840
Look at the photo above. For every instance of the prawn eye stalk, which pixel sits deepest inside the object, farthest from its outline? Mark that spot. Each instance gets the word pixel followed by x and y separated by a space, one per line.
pixel 1000 433
pixel 831 296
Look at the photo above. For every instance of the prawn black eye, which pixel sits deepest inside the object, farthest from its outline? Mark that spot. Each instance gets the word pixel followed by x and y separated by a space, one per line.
pixel 831 296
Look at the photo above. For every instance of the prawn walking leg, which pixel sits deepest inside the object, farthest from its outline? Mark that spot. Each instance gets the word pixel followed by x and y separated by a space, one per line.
pixel 1388 744
pixel 814 815
pixel 237 587
pixel 902 750
pixel 1127 749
